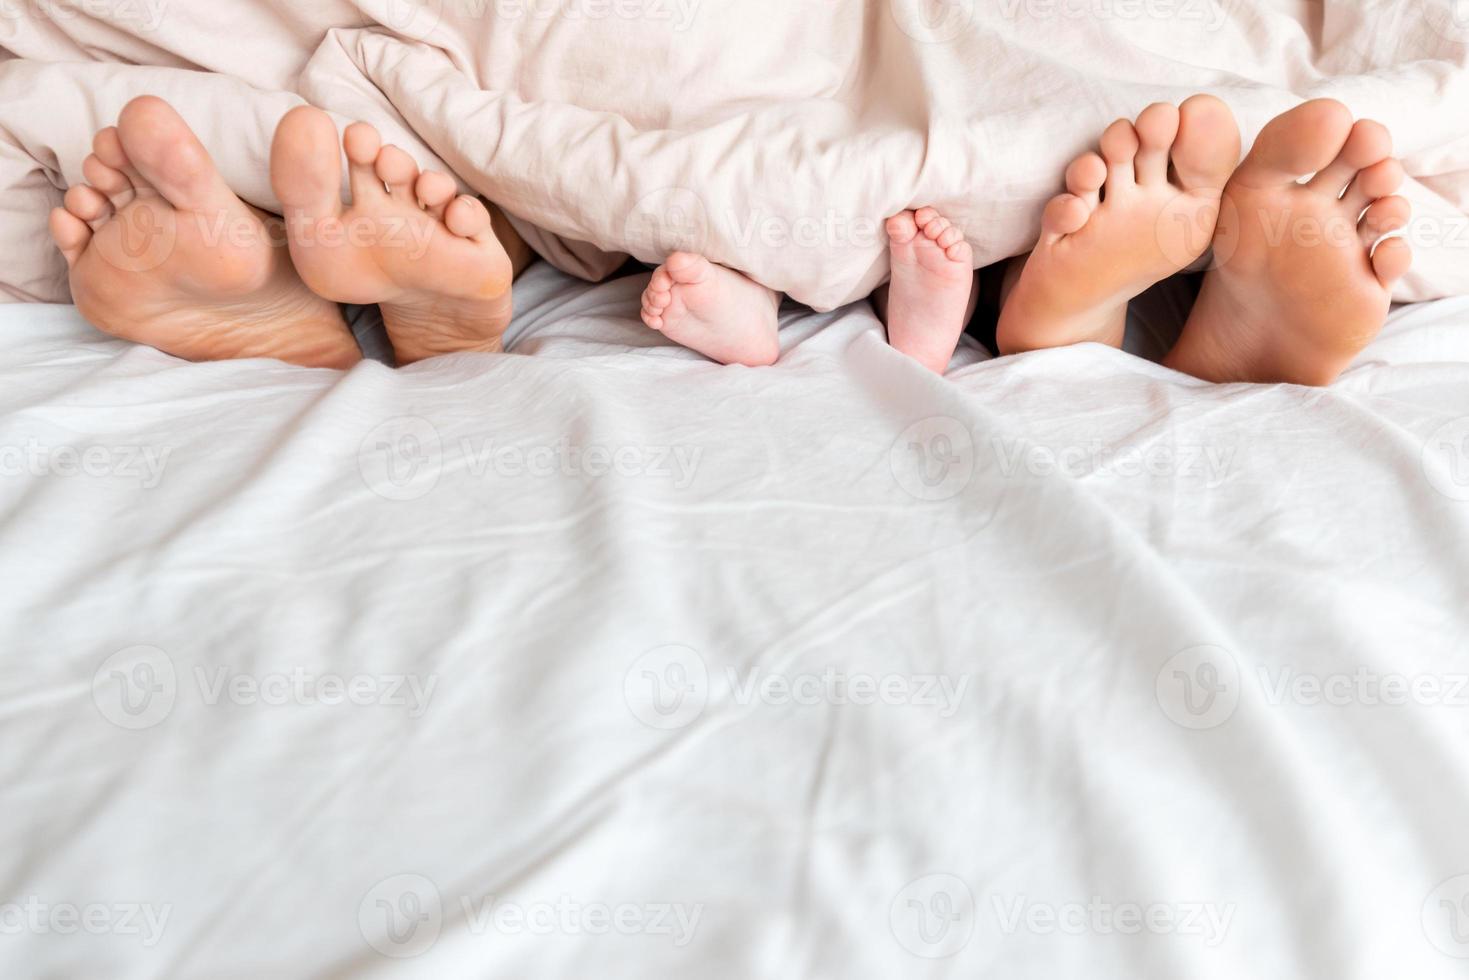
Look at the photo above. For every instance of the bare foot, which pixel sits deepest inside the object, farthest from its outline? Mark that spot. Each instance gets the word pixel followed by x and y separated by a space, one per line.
pixel 1142 211
pixel 933 281
pixel 406 243
pixel 162 253
pixel 1302 290
pixel 723 315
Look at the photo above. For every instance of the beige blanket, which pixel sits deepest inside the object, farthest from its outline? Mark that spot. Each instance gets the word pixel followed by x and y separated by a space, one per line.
pixel 774 135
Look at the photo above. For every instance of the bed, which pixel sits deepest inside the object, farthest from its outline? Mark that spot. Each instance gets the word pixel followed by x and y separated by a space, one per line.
pixel 608 661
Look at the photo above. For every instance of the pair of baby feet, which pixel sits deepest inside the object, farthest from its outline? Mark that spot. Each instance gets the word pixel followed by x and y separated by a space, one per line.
pixel 1301 280
pixel 730 318
pixel 163 253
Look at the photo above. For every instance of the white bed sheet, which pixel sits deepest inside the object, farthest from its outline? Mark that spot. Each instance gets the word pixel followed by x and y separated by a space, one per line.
pixel 567 743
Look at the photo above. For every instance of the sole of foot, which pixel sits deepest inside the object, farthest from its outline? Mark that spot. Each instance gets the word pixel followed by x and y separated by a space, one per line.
pixel 161 252
pixel 928 302
pixel 718 312
pixel 1305 279
pixel 408 242
pixel 1141 211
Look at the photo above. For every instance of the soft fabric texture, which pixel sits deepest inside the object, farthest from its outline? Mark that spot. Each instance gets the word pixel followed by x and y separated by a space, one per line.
pixel 773 135
pixel 629 586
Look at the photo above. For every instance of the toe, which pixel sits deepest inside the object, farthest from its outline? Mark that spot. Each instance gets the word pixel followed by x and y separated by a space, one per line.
pixel 1064 215
pixel 88 204
pixel 306 165
pixel 1156 128
pixel 1206 150
pixel 960 252
pixel 71 234
pixel 363 145
pixel 1377 181
pixel 662 281
pixel 1297 143
pixel 399 171
pixel 1119 149
pixel 467 217
pixel 107 148
pixel 113 183
pixel 1368 143
pixel 435 191
pixel 1085 178
pixel 1391 260
pixel 686 267
pixel 924 217
pixel 950 237
pixel 1384 217
pixel 902 228
pixel 936 226
pixel 170 157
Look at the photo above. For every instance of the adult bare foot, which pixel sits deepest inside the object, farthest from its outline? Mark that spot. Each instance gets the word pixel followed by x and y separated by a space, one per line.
pixel 1303 289
pixel 406 243
pixel 162 253
pixel 928 302
pixel 1142 211
pixel 723 315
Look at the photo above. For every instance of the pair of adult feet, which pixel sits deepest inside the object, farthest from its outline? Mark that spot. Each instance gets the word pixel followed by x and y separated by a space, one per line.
pixel 163 253
pixel 1301 279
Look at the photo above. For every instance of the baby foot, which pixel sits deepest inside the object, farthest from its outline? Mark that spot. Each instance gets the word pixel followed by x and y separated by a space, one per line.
pixel 1303 289
pixel 1142 211
pixel 933 280
pixel 723 315
pixel 406 243
pixel 162 253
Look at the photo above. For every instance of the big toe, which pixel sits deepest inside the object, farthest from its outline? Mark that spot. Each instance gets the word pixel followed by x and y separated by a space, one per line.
pixel 1297 143
pixel 687 268
pixel 1207 147
pixel 306 164
pixel 160 144
pixel 902 228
